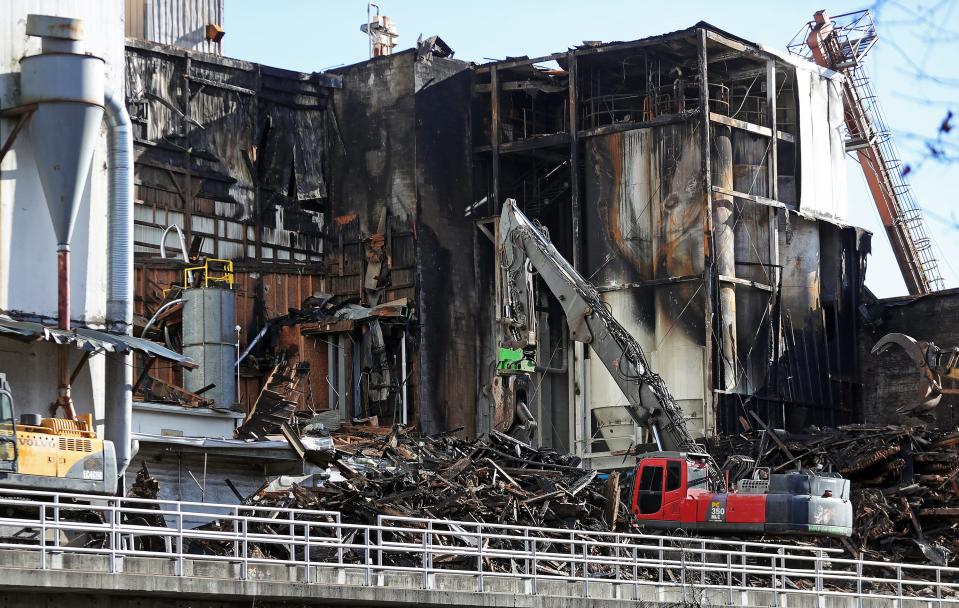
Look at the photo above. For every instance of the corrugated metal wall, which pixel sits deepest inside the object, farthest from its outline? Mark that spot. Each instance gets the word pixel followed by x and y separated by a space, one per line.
pixel 180 23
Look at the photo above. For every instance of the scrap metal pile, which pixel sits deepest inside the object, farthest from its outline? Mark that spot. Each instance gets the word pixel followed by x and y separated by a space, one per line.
pixel 494 479
pixel 905 483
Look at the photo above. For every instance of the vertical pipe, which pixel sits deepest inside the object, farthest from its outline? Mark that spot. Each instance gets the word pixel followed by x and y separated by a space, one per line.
pixel 581 429
pixel 119 367
pixel 725 243
pixel 710 401
pixel 64 399
pixel 63 287
pixel 403 419
pixel 494 136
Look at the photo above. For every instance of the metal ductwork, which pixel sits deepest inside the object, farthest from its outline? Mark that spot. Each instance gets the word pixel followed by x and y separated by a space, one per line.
pixel 119 368
pixel 67 86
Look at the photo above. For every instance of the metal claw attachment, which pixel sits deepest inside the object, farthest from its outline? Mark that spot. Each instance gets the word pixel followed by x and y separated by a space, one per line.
pixel 928 359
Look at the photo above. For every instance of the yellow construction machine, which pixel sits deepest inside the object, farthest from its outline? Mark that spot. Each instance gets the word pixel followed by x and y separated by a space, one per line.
pixel 53 453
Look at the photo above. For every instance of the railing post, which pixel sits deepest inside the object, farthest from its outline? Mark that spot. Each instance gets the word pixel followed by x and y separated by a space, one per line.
pixel 899 584
pixel 306 553
pixel 113 536
pixel 43 537
pixel 479 558
pixel 782 569
pixel 56 520
pixel 292 536
pixel 859 582
pixel 535 567
pixel 379 543
pixel 773 582
pixel 702 564
pixel 425 560
pixel 729 576
pixel 939 587
pixel 572 555
pixel 366 557
pixel 619 575
pixel 246 549
pixel 820 598
pixel 236 532
pixel 339 541
pixel 527 563
pixel 661 564
pixel 635 573
pixel 586 568
pixel 180 564
pixel 745 579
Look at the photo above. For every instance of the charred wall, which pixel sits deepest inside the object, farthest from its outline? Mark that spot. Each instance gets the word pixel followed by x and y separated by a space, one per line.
pixel 669 170
pixel 232 152
pixel 891 377
pixel 235 155
pixel 447 301
pixel 401 169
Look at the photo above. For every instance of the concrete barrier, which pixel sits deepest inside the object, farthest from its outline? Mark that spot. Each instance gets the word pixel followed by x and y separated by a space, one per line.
pixel 78 576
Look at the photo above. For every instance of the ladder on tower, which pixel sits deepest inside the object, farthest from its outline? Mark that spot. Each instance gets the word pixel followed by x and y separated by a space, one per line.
pixel 841 44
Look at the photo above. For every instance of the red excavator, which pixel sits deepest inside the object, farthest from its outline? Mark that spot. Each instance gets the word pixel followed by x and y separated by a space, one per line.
pixel 680 486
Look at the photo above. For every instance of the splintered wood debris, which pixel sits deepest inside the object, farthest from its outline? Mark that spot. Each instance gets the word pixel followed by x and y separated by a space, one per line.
pixel 904 483
pixel 494 479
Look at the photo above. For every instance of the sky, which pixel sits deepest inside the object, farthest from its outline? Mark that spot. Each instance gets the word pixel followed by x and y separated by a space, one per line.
pixel 912 67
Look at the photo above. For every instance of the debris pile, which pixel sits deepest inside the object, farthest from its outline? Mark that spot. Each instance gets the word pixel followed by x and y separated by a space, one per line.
pixel 905 483
pixel 494 479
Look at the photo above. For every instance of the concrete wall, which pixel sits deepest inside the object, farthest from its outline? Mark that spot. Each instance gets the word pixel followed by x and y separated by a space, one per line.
pixel 27 246
pixel 890 378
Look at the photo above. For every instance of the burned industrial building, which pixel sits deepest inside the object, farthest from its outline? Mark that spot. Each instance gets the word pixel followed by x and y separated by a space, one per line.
pixel 379 183
pixel 520 293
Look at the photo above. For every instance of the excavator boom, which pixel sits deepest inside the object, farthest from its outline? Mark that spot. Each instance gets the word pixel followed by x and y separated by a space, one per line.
pixel 650 403
pixel 680 486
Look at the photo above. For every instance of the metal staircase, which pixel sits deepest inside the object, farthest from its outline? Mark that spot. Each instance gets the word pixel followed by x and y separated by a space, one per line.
pixel 841 44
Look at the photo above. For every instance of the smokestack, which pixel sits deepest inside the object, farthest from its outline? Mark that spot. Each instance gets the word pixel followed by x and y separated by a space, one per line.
pixel 380 31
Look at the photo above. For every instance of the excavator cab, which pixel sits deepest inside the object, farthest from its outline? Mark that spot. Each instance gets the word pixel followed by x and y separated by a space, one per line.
pixel 8 429
pixel 664 481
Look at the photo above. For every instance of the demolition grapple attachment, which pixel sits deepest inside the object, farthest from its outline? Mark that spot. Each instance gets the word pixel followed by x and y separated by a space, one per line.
pixel 932 363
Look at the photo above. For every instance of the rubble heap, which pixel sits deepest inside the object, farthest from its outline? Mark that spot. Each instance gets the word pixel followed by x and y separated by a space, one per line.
pixel 905 483
pixel 493 479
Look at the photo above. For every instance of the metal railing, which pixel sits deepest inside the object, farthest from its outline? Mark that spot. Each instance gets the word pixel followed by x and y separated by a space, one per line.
pixel 541 560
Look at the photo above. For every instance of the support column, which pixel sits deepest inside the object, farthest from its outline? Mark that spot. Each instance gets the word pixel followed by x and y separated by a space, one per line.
pixel 580 429
pixel 721 154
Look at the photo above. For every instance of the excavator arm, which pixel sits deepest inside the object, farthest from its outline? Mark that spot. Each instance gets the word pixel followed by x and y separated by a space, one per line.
pixel 523 244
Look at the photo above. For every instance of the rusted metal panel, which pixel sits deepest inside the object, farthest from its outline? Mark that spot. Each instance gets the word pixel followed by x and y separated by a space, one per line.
pixel 447 301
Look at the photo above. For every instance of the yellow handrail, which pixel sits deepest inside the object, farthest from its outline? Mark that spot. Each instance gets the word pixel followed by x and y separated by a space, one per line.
pixel 221 274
